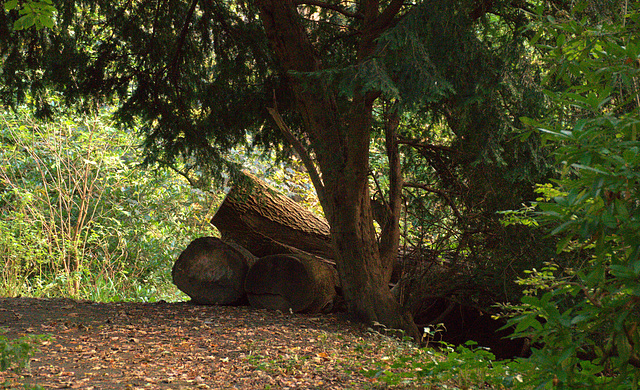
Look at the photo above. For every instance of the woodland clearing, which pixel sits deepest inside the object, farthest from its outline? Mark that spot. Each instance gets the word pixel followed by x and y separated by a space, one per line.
pixel 131 345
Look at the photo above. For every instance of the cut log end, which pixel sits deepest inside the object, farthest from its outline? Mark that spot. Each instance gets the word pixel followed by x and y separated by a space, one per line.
pixel 212 272
pixel 295 283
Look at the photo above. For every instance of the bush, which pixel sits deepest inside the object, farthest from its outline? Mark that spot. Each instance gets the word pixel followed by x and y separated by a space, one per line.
pixel 462 367
pixel 585 319
pixel 80 218
pixel 16 354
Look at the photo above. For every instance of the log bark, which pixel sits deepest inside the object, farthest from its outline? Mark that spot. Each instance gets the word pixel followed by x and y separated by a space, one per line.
pixel 296 283
pixel 266 223
pixel 213 272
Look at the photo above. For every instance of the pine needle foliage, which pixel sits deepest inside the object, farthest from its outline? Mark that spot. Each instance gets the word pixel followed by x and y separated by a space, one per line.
pixel 197 73
pixel 200 74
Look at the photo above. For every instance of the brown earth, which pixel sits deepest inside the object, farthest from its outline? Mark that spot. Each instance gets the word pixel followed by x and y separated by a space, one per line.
pixel 132 345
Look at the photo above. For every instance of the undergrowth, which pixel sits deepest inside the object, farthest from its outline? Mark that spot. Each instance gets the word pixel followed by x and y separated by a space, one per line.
pixel 447 366
pixel 81 218
pixel 16 355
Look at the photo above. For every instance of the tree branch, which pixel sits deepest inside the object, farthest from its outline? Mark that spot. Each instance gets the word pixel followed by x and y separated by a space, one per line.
pixel 181 40
pixel 386 17
pixel 390 235
pixel 333 7
pixel 422 145
pixel 634 359
pixel 440 192
pixel 185 174
pixel 434 155
pixel 481 8
pixel 302 152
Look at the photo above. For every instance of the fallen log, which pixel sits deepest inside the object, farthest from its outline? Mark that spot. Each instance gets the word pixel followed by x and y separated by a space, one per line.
pixel 265 222
pixel 213 272
pixel 296 283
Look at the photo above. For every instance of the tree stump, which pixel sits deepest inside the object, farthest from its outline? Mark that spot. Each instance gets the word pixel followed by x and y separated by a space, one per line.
pixel 213 272
pixel 296 283
pixel 265 222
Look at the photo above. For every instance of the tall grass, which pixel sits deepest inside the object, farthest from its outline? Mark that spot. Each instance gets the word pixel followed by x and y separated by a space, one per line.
pixel 80 218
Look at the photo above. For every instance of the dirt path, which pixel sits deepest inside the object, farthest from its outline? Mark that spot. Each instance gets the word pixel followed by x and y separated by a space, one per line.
pixel 183 346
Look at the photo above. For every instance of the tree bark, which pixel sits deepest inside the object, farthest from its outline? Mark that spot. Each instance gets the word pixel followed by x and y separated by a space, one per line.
pixel 341 144
pixel 296 283
pixel 390 235
pixel 268 223
pixel 364 273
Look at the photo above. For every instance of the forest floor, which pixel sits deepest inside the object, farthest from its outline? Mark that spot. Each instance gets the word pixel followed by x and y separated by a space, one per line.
pixel 132 345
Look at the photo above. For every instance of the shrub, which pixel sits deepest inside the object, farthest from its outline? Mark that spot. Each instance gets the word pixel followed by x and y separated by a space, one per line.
pixel 16 354
pixel 585 319
pixel 81 218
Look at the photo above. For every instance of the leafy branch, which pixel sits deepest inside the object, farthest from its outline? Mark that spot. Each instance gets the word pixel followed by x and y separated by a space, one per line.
pixel 34 13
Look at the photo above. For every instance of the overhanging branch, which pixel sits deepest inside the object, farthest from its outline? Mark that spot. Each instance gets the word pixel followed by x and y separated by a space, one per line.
pixel 387 15
pixel 302 152
pixel 181 39
pixel 422 145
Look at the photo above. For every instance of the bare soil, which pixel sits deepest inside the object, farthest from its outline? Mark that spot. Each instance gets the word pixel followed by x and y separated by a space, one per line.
pixel 132 345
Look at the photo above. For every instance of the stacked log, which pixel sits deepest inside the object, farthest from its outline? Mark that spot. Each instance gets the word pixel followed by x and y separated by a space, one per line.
pixel 274 254
pixel 286 264
pixel 266 222
pixel 296 283
pixel 212 272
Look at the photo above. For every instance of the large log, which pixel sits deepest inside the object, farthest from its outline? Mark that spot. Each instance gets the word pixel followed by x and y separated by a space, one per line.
pixel 296 283
pixel 265 222
pixel 213 272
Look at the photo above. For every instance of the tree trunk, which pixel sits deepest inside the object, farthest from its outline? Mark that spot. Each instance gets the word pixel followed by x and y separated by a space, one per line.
pixel 297 283
pixel 364 273
pixel 212 272
pixel 341 145
pixel 268 223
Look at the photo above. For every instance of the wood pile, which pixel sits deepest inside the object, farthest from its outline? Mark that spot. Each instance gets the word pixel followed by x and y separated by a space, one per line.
pixel 273 254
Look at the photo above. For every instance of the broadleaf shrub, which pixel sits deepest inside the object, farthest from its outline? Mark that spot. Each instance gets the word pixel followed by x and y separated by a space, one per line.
pixel 16 355
pixel 451 367
pixel 81 218
pixel 584 319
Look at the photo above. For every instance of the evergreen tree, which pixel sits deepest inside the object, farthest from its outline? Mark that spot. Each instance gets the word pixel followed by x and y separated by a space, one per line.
pixel 203 74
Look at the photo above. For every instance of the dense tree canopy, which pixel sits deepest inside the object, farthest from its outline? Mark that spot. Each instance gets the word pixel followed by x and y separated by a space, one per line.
pixel 440 84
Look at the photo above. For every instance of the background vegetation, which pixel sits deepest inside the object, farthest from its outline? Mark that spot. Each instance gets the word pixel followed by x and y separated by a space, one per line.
pixel 82 218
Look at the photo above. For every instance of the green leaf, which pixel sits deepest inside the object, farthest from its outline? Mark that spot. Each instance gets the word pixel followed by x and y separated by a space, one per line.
pixel 609 220
pixel 630 155
pixel 564 226
pixel 561 39
pixel 589 168
pixel 526 323
pixel 580 318
pixel 25 21
pixel 47 21
pixel 563 243
pixel 566 354
pixel 531 301
pixel 558 134
pixel 11 4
